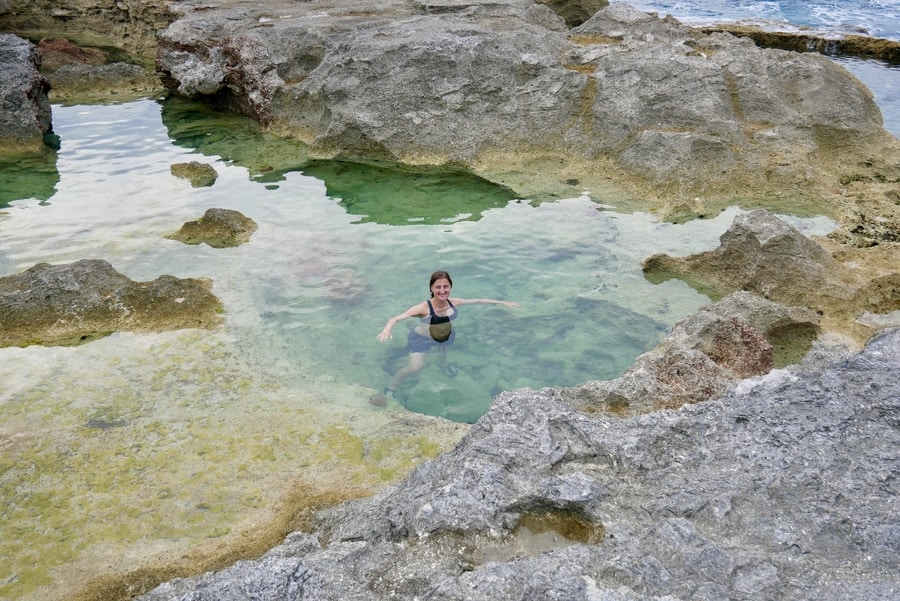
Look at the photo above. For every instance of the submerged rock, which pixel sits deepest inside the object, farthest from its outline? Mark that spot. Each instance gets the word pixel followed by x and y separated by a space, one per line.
pixel 77 302
pixel 200 175
pixel 780 489
pixel 219 228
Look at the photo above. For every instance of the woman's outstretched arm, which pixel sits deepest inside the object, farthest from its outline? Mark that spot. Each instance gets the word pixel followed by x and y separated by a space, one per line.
pixel 415 311
pixel 482 301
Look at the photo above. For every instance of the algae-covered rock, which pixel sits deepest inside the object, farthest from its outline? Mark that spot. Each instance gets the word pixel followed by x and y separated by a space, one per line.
pixel 76 302
pixel 201 175
pixel 84 83
pixel 219 228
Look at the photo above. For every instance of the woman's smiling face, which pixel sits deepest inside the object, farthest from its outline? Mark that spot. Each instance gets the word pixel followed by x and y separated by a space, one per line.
pixel 441 288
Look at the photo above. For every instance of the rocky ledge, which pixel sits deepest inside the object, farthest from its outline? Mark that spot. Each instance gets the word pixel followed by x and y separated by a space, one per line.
pixel 783 488
pixel 548 98
pixel 509 91
pixel 77 302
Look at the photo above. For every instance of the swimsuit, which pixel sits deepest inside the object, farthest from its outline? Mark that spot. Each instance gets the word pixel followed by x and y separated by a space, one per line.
pixel 438 327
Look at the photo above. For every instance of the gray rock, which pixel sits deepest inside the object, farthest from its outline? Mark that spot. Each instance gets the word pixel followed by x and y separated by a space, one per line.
pixel 784 488
pixel 762 254
pixel 742 335
pixel 83 83
pixel 504 87
pixel 575 12
pixel 26 116
pixel 81 301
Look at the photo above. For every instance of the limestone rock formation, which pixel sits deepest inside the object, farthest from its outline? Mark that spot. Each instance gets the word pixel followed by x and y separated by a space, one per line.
pixel 762 254
pixel 127 24
pixel 56 52
pixel 845 41
pixel 25 119
pixel 780 489
pixel 741 336
pixel 219 228
pixel 78 83
pixel 575 12
pixel 507 90
pixel 77 302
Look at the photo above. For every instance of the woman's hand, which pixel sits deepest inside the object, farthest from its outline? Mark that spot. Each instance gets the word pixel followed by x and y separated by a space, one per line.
pixel 384 334
pixel 509 304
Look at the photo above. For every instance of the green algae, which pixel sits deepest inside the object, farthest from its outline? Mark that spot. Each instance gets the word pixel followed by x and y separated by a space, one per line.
pixel 28 176
pixel 140 466
pixel 397 195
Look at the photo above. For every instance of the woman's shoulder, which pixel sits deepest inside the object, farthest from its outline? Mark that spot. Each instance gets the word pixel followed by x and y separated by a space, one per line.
pixel 420 309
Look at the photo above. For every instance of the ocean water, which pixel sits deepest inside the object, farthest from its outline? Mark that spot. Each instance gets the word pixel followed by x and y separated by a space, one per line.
pixel 876 18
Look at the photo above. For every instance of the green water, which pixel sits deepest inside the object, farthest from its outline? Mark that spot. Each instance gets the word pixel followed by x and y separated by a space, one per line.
pixel 133 449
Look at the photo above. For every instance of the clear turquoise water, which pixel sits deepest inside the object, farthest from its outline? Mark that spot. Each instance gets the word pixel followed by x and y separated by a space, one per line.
pixel 340 248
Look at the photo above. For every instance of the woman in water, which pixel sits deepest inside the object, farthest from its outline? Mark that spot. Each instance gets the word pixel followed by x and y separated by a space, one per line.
pixel 434 331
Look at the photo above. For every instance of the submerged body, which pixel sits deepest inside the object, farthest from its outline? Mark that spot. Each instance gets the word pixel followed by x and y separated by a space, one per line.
pixel 435 331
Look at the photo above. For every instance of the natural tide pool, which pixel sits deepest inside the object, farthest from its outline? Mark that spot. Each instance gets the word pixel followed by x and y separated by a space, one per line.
pixel 164 449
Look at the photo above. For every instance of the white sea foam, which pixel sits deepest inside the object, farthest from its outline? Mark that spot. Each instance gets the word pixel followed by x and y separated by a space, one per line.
pixel 877 18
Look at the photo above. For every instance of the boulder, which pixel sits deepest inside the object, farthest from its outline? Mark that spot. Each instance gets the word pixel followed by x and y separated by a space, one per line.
pixel 505 89
pixel 25 121
pixel 779 489
pixel 77 302
pixel 703 355
pixel 200 175
pixel 762 254
pixel 219 228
